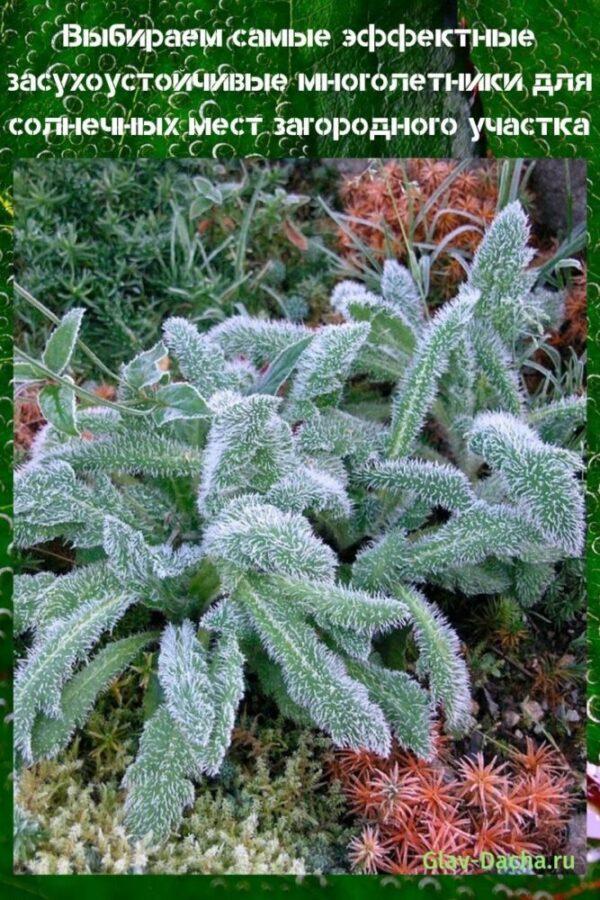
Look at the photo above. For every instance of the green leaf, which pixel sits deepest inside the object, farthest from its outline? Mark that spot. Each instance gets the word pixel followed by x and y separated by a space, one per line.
pixel 158 782
pixel 66 642
pixel 405 703
pixel 61 343
pixel 144 369
pixel 179 401
pixel 207 190
pixel 129 556
pixel 315 677
pixel 26 372
pixel 279 371
pixel 183 675
pixel 78 696
pixel 57 404
pixel 386 327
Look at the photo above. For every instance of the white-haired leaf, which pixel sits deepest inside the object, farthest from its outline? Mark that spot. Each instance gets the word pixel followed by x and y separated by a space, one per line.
pixel 183 675
pixel 315 677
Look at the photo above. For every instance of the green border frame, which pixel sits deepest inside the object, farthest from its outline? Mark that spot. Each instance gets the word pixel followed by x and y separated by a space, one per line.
pixel 567 32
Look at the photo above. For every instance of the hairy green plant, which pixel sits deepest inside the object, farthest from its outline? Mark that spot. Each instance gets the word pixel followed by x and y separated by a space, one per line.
pixel 229 491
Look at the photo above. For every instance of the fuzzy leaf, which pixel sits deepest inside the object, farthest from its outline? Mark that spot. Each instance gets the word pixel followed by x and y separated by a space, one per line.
pixel 61 343
pixel 467 538
pixel 540 477
pixel 348 642
pixel 532 581
pixel 200 359
pixel 158 782
pixel 557 421
pixel 254 338
pixel 398 287
pixel 183 675
pixel 315 677
pixel 499 271
pixel 437 484
pixel 335 433
pixel 27 590
pixel 496 364
pixel 252 535
pixel 50 495
pixel 249 448
pixel 389 327
pixel 418 388
pixel 226 672
pixel 344 607
pixel 66 642
pixel 78 696
pixel 326 364
pixel 129 556
pixel 440 659
pixel 309 490
pixel 132 452
pixel 405 703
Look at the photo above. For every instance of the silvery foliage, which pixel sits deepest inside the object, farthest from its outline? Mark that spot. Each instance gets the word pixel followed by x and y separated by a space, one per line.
pixel 220 488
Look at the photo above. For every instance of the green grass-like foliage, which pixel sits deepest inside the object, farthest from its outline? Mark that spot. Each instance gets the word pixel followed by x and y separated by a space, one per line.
pixel 132 241
pixel 227 484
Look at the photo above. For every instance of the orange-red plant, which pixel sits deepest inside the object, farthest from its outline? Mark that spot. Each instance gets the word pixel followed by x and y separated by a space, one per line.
pixel 411 807
pixel 573 331
pixel 28 417
pixel 399 199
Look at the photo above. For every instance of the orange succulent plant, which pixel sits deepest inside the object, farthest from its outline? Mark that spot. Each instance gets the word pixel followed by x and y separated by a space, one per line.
pixel 410 807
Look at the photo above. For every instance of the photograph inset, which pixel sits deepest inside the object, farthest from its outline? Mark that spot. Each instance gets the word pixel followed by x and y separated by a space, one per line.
pixel 299 516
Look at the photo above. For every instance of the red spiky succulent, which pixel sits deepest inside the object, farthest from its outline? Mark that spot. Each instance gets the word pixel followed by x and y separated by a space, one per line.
pixel 392 794
pixel 367 852
pixel 410 806
pixel 512 805
pixel 548 796
pixel 539 756
pixel 359 763
pixel 482 782
pixel 436 792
